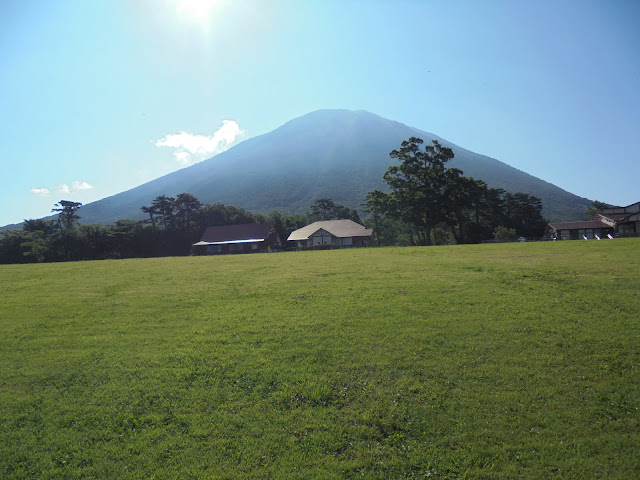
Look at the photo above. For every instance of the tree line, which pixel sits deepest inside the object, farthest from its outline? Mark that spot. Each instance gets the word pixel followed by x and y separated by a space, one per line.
pixel 173 225
pixel 426 203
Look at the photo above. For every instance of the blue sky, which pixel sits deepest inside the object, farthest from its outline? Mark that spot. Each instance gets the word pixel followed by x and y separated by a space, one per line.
pixel 101 96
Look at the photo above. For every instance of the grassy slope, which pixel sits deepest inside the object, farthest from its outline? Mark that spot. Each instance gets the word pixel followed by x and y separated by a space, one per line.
pixel 490 361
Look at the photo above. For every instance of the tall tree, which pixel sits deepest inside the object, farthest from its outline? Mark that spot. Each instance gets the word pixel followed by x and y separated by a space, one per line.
pixel 164 208
pixel 185 206
pixel 66 245
pixel 152 212
pixel 67 213
pixel 420 185
pixel 323 209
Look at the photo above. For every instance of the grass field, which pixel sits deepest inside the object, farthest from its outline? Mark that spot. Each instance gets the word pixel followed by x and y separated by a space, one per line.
pixel 484 361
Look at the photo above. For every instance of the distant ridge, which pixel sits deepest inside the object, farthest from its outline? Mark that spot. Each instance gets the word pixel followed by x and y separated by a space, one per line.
pixel 337 154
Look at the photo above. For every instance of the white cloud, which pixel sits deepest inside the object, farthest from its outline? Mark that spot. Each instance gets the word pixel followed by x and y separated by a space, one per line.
pixel 190 148
pixel 63 189
pixel 77 186
pixel 41 192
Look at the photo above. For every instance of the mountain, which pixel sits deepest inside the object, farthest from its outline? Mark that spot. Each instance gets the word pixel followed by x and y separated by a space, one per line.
pixel 337 154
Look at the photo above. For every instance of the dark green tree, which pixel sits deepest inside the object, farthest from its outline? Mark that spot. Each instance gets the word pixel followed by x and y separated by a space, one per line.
pixel 46 226
pixel 285 224
pixel 152 212
pixel 420 186
pixel 185 206
pixel 36 245
pixel 462 193
pixel 327 209
pixel 128 239
pixel 524 214
pixel 11 246
pixel 163 207
pixel 323 209
pixel 67 214
pixel 66 243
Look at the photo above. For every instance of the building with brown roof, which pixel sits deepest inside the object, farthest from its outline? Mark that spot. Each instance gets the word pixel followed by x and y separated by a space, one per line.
pixel 614 221
pixel 244 238
pixel 332 234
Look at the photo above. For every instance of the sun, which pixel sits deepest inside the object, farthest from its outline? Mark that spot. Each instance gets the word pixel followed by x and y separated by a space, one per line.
pixel 196 11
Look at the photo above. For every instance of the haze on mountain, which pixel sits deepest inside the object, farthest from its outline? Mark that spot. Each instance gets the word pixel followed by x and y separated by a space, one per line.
pixel 336 154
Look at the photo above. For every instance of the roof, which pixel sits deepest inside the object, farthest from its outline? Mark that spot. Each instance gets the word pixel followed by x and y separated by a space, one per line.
pixel 337 228
pixel 578 225
pixel 248 240
pixel 248 232
pixel 615 216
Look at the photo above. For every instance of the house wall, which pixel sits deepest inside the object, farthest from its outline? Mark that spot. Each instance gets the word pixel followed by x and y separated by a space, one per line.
pixel 321 237
pixel 606 220
pixel 634 208
pixel 231 248
pixel 630 225
pixel 580 233
pixel 252 247
pixel 271 243
pixel 362 241
pixel 324 239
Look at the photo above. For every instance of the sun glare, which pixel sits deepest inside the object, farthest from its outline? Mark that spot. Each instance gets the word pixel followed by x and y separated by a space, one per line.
pixel 196 11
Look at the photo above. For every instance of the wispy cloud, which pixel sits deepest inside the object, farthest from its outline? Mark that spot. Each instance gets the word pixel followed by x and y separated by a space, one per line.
pixel 41 191
pixel 190 148
pixel 63 189
pixel 79 186
pixel 75 187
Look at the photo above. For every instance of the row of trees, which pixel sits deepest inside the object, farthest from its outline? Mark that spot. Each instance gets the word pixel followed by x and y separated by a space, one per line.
pixel 431 204
pixel 171 229
pixel 172 226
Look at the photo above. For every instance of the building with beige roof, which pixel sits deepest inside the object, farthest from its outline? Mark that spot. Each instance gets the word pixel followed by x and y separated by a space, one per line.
pixel 332 234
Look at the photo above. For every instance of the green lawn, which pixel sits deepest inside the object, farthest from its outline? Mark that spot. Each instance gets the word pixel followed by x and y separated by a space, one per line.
pixel 485 361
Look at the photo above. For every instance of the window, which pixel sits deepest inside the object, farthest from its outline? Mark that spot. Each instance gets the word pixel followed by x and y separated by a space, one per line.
pixel 214 248
pixel 321 238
